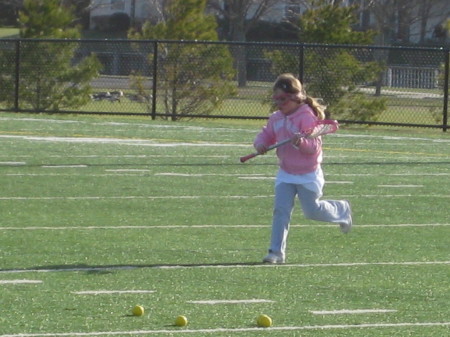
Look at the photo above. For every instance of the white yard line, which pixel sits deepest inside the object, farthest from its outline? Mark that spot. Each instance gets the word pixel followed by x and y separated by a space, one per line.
pixel 175 330
pixel 141 172
pixel 149 142
pixel 198 128
pixel 12 163
pixel 20 282
pixel 171 174
pixel 352 312
pixel 408 139
pixel 132 197
pixel 256 178
pixel 250 301
pixel 143 156
pixel 122 141
pixel 60 228
pixel 144 125
pixel 379 196
pixel 401 186
pixel 340 182
pixel 112 292
pixel 175 197
pixel 128 170
pixel 70 175
pixel 389 174
pixel 64 166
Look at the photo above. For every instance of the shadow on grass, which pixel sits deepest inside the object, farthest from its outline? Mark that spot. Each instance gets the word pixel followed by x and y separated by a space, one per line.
pixel 108 269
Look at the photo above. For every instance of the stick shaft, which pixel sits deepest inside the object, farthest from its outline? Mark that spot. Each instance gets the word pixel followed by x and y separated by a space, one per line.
pixel 252 155
pixel 324 127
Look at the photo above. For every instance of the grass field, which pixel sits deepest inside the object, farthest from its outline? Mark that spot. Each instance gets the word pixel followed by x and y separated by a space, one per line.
pixel 9 33
pixel 102 214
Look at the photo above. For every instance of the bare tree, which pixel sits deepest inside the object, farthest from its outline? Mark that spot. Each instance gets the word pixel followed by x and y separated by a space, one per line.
pixel 429 10
pixel 81 10
pixel 395 19
pixel 240 16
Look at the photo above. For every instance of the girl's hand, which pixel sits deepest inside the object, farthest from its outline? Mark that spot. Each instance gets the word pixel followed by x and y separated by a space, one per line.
pixel 261 148
pixel 296 139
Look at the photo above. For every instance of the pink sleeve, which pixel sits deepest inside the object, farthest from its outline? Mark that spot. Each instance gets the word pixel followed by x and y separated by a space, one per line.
pixel 266 136
pixel 308 121
pixel 309 145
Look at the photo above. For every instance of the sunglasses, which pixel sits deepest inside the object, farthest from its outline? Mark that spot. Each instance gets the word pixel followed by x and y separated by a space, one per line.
pixel 281 99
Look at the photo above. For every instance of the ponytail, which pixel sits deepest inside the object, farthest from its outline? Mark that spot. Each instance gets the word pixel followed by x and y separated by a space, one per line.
pixel 319 109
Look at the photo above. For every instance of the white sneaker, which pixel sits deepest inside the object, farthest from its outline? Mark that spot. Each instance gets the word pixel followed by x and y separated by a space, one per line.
pixel 273 258
pixel 347 226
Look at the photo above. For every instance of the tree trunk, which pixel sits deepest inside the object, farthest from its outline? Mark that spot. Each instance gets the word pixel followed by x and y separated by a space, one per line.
pixel 239 51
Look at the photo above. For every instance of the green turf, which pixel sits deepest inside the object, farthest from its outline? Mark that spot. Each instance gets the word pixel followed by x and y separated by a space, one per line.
pixel 9 33
pixel 104 203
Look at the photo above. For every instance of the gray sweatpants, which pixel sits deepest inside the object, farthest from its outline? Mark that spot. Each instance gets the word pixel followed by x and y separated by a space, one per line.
pixel 335 211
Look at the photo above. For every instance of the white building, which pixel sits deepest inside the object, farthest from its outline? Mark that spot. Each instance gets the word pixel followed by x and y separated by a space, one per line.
pixel 139 11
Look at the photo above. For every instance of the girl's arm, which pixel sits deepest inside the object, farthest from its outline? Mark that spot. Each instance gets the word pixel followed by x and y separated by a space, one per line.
pixel 264 139
pixel 305 145
pixel 308 146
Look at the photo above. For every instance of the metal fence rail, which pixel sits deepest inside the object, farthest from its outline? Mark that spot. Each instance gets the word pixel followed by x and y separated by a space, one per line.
pixel 136 76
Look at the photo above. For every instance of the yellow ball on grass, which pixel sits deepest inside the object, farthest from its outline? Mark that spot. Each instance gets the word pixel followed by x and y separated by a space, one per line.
pixel 138 310
pixel 181 321
pixel 264 321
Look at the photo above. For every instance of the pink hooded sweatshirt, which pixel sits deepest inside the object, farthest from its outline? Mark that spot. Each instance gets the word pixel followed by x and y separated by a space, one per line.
pixel 301 159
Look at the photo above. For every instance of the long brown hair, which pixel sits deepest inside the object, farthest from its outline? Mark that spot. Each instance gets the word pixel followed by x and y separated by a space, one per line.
pixel 288 83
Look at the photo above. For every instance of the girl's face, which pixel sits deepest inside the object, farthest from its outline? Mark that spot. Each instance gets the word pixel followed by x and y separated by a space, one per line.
pixel 284 101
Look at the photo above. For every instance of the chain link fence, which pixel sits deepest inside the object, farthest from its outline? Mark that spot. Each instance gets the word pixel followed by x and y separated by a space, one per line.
pixel 198 79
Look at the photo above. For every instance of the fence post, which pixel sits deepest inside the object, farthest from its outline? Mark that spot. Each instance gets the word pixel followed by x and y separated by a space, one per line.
pixel 301 63
pixel 155 77
pixel 446 93
pixel 17 74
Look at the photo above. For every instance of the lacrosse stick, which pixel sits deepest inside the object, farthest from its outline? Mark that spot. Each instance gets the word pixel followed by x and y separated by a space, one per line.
pixel 322 127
